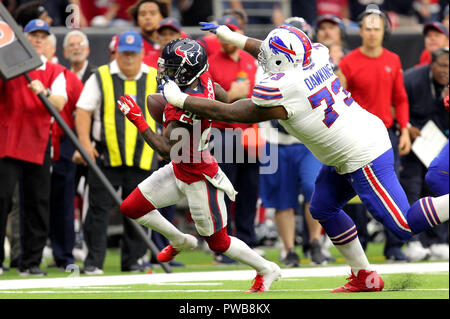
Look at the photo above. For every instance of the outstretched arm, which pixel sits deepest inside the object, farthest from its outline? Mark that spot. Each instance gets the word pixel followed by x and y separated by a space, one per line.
pixel 241 111
pixel 250 45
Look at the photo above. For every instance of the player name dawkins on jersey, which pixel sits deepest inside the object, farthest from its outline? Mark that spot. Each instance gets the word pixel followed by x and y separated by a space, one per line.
pixel 317 78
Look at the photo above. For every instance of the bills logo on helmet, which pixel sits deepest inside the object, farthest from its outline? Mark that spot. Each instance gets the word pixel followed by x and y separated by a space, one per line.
pixel 305 42
pixel 277 46
pixel 188 53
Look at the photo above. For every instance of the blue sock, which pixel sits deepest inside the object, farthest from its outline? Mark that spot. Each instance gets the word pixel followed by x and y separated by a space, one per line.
pixel 422 215
pixel 340 228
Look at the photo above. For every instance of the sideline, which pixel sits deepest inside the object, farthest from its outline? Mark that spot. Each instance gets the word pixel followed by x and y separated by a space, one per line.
pixel 85 281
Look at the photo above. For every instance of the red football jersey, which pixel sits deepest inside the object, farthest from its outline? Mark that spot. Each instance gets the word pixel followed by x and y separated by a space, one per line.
pixel 194 158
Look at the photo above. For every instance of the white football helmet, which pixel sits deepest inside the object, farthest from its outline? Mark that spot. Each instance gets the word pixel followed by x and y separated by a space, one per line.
pixel 284 48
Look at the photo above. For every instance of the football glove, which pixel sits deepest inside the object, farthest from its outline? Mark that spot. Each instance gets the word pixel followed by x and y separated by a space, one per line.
pixel 133 112
pixel 207 26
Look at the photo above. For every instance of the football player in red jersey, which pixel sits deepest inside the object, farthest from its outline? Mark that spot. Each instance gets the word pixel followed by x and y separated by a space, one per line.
pixel 194 174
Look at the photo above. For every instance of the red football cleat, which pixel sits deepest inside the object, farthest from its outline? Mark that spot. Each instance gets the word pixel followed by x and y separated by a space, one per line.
pixel 258 284
pixel 262 282
pixel 365 281
pixel 167 254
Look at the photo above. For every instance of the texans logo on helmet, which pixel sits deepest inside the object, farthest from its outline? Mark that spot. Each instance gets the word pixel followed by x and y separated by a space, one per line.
pixel 189 52
pixel 277 46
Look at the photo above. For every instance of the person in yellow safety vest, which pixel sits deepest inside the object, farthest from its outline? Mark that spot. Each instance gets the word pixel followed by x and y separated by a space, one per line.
pixel 116 146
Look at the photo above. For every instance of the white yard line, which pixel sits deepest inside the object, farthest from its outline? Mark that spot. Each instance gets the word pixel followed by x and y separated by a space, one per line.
pixel 85 281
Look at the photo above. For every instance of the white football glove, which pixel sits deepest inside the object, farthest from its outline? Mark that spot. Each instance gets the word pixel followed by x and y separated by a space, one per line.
pixel 172 93
pixel 225 34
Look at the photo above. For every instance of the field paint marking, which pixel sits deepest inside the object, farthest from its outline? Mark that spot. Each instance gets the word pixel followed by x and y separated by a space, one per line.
pixel 84 281
pixel 190 290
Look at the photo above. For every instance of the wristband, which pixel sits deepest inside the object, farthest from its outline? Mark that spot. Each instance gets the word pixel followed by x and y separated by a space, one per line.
pixel 178 101
pixel 225 34
pixel 141 124
pixel 173 94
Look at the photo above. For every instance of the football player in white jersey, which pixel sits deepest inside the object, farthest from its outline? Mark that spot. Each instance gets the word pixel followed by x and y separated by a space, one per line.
pixel 302 92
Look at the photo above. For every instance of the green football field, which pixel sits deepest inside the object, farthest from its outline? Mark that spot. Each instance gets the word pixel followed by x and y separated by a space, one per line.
pixel 202 279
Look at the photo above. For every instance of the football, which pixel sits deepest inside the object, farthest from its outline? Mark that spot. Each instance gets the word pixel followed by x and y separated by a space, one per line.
pixel 156 104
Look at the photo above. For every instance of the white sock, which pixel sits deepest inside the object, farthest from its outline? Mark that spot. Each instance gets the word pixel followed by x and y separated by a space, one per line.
pixel 157 222
pixel 354 255
pixel 441 205
pixel 239 251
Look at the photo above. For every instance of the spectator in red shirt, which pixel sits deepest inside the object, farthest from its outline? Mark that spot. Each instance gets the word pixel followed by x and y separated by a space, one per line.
pixel 235 71
pixel 147 14
pixel 25 134
pixel 375 79
pixel 435 37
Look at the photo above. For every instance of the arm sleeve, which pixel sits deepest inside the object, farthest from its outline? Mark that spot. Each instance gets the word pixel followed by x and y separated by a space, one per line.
pixel 59 86
pixel 90 97
pixel 400 99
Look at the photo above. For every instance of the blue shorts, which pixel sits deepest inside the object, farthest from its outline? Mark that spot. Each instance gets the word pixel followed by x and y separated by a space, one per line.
pixel 297 171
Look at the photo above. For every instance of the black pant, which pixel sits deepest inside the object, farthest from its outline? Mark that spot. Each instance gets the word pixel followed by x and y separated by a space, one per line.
pixel 62 232
pixel 36 205
pixel 100 205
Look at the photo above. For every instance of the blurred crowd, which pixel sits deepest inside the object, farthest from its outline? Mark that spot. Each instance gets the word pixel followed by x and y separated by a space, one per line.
pixel 110 13
pixel 52 203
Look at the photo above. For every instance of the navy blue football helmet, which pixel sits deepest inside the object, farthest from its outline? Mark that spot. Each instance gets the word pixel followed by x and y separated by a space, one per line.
pixel 183 61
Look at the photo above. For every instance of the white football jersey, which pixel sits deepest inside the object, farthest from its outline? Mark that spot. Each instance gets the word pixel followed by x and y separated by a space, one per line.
pixel 323 115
